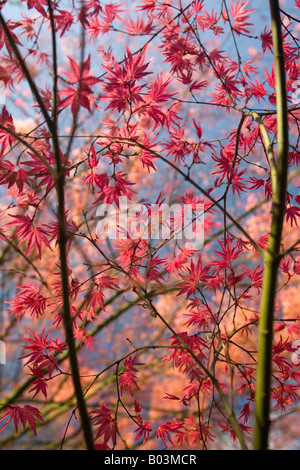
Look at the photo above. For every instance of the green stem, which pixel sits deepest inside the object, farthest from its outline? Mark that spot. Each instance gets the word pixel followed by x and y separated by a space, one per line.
pixel 272 255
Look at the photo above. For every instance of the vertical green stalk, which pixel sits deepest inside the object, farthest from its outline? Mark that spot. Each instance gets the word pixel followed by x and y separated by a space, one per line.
pixel 272 255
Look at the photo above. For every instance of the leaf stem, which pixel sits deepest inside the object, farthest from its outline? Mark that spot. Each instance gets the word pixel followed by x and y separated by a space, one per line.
pixel 272 255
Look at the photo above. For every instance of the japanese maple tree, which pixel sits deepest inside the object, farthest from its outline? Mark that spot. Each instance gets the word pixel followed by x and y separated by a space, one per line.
pixel 163 331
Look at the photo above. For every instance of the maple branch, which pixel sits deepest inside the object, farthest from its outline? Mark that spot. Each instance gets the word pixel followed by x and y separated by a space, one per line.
pixel 236 151
pixel 17 392
pixel 66 314
pixel 76 113
pixel 272 255
pixel 230 413
pixel 18 250
pixel 60 183
pixel 153 311
pixel 29 146
pixel 269 149
pixel 291 248
pixel 190 180
pixel 54 50
pixel 62 241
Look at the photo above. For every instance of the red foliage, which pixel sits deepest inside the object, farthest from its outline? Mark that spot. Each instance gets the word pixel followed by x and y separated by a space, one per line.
pixel 152 335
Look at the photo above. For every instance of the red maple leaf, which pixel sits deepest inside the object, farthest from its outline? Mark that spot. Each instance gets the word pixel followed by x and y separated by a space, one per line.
pixel 127 379
pixel 255 276
pixel 131 363
pixel 139 26
pixel 53 230
pixel 34 236
pixel 196 273
pixel 63 21
pixel 42 350
pixel 80 94
pixel 163 432
pixel 240 16
pixel 292 213
pixel 257 90
pixel 121 187
pixel 229 253
pixel 39 170
pixel 40 384
pixel 9 176
pixel 120 87
pixel 266 40
pixel 28 300
pixel 3 38
pixel 26 414
pixel 107 426
pixel 37 4
pixel 143 430
pixel 81 73
pixel 6 139
pixel 95 298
